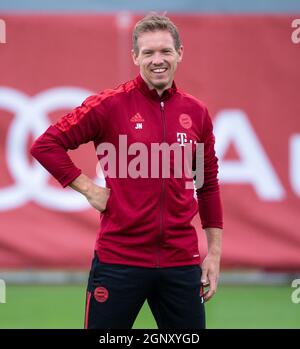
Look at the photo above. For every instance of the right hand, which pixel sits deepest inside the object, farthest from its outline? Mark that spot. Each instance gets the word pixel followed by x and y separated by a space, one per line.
pixel 98 197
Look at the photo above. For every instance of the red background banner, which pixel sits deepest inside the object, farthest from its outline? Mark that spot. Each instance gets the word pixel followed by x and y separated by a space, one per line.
pixel 245 69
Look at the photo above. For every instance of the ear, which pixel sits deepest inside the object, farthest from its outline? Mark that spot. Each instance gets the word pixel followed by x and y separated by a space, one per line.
pixel 180 53
pixel 134 58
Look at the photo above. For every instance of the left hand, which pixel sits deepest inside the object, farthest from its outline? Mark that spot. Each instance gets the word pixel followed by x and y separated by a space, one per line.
pixel 210 275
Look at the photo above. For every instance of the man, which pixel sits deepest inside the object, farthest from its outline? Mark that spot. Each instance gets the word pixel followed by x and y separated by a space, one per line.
pixel 146 248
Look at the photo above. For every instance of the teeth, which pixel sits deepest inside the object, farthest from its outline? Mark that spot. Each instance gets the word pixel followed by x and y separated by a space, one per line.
pixel 159 70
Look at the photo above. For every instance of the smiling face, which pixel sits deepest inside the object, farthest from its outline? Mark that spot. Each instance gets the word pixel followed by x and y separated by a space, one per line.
pixel 157 59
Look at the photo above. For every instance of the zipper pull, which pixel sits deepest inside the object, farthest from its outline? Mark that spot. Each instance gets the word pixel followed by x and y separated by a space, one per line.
pixel 162 105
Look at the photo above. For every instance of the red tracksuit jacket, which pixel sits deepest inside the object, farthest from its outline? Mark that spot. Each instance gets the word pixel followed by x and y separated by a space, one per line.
pixel 147 221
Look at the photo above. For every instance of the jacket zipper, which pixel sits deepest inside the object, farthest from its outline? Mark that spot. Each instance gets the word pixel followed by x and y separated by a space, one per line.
pixel 162 109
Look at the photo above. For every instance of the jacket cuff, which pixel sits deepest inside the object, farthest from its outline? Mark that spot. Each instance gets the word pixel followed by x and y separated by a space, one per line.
pixel 69 177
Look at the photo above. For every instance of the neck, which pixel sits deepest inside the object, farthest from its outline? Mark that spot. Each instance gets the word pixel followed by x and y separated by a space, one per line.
pixel 160 92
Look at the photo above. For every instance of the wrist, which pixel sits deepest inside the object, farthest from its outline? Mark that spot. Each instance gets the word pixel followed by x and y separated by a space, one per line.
pixel 214 252
pixel 83 185
pixel 87 189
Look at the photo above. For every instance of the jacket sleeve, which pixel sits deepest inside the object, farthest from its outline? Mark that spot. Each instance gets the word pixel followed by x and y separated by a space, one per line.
pixel 80 126
pixel 209 200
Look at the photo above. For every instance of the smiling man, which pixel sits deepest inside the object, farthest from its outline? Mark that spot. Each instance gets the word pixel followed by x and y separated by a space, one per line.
pixel 146 247
pixel 157 53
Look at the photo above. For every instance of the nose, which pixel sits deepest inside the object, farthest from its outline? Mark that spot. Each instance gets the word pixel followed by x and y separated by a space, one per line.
pixel 157 59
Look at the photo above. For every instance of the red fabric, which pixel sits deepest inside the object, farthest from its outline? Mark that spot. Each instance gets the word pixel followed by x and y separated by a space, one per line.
pixel 87 309
pixel 154 230
pixel 246 63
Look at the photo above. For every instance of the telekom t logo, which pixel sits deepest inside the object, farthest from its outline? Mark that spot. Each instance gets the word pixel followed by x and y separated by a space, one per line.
pixel 181 138
pixel 2 31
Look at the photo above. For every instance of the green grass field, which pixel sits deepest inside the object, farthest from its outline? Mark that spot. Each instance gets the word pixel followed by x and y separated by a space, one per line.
pixel 232 307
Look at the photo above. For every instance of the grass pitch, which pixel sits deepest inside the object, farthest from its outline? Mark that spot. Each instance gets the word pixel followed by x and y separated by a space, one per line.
pixel 36 307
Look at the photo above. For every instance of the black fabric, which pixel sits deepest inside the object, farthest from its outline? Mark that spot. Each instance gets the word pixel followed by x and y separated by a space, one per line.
pixel 173 295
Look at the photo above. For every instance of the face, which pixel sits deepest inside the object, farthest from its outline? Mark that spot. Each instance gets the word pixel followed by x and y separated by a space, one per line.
pixel 157 59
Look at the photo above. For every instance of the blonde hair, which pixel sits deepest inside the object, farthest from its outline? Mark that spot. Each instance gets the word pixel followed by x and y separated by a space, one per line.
pixel 151 23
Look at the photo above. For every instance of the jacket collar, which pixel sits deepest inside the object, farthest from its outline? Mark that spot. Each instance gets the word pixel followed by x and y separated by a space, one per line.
pixel 152 93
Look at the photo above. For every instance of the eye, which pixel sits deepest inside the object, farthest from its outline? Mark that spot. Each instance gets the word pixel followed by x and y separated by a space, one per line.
pixel 147 53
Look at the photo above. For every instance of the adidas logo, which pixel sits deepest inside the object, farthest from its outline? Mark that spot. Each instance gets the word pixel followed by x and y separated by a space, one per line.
pixel 137 118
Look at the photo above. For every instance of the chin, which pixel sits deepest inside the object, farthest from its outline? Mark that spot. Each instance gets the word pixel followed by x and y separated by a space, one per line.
pixel 160 84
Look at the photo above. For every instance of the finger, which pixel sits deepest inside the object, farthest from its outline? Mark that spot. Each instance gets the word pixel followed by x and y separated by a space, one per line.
pixel 204 277
pixel 212 289
pixel 208 295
